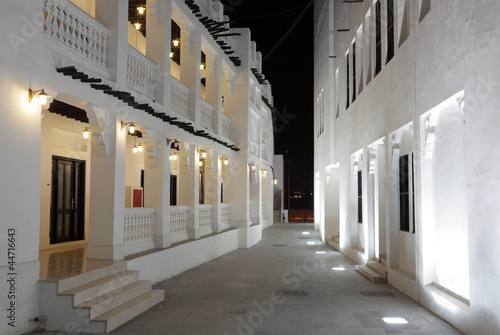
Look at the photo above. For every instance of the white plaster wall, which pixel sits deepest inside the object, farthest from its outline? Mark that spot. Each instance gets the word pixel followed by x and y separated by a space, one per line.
pixel 452 49
pixel 134 163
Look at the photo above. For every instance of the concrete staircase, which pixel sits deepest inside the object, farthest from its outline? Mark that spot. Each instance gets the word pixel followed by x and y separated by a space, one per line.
pixel 374 271
pixel 334 243
pixel 97 301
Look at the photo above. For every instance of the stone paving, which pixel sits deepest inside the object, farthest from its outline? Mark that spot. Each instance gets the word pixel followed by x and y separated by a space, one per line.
pixel 289 283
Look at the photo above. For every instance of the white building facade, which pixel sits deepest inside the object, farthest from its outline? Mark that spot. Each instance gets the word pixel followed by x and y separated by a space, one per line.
pixel 406 99
pixel 176 166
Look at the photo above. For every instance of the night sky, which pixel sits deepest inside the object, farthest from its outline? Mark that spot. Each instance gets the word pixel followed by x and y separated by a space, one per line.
pixel 290 72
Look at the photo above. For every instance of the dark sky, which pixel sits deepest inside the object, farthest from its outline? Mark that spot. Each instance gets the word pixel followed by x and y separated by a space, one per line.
pixel 290 72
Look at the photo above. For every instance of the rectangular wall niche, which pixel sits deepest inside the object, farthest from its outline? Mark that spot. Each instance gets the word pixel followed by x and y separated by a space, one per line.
pixel 444 198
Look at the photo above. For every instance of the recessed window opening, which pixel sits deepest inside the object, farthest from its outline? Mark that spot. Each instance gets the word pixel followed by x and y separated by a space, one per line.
pixel 175 51
pixel 390 30
pixel 348 81
pixel 405 190
pixel 378 39
pixel 353 71
pixel 425 8
pixel 360 196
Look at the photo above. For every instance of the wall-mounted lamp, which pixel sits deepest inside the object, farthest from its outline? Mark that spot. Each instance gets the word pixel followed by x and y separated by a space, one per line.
pixel 140 147
pixel 137 25
pixel 42 96
pixel 202 66
pixel 137 148
pixel 131 126
pixel 176 43
pixel 171 55
pixel 226 161
pixel 203 154
pixel 264 173
pixel 141 9
pixel 252 166
pixel 173 157
pixel 200 163
pixel 275 181
pixel 86 133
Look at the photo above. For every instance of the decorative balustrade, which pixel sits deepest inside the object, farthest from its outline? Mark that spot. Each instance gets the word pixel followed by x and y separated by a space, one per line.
pixel 207 114
pixel 205 219
pixel 226 126
pixel 67 24
pixel 138 230
pixel 224 216
pixel 179 223
pixel 180 97
pixel 141 72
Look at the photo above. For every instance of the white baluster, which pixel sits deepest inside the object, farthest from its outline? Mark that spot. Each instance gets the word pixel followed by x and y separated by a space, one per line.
pixel 55 23
pixel 73 31
pixel 60 16
pixel 67 30
pixel 79 40
pixel 48 16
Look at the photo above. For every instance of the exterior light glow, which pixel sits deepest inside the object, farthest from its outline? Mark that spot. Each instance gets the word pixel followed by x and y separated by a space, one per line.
pixel 86 133
pixel 134 149
pixel 275 181
pixel 131 128
pixel 176 43
pixel 137 25
pixel 140 147
pixel 226 162
pixel 395 321
pixel 42 96
pixel 200 163
pixel 141 10
pixel 171 55
pixel 203 154
pixel 202 66
pixel 253 167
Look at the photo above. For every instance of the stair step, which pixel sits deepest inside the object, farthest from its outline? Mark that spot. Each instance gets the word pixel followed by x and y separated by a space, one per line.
pixel 101 286
pixel 372 275
pixel 127 311
pixel 378 267
pixel 336 239
pixel 383 261
pixel 113 299
pixel 82 279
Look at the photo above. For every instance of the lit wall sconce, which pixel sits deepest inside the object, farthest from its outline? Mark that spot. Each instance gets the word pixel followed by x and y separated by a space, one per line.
pixel 86 133
pixel 137 148
pixel 203 154
pixel 137 25
pixel 176 43
pixel 42 96
pixel 226 161
pixel 253 167
pixel 141 9
pixel 140 148
pixel 200 163
pixel 275 181
pixel 264 173
pixel 173 157
pixel 171 55
pixel 202 66
pixel 131 126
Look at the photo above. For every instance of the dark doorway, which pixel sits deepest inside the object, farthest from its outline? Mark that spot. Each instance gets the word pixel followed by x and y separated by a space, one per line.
pixel 68 198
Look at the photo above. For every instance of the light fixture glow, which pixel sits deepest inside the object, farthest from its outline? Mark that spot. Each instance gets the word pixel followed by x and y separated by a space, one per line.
pixel 131 128
pixel 338 268
pixel 141 10
pixel 171 55
pixel 200 163
pixel 140 148
pixel 134 149
pixel 226 162
pixel 175 157
pixel 176 43
pixel 275 181
pixel 395 321
pixel 253 167
pixel 137 25
pixel 203 154
pixel 202 66
pixel 42 96
pixel 86 133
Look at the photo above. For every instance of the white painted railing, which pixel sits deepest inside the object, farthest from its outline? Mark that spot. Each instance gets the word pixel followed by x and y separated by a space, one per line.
pixel 224 216
pixel 180 97
pixel 207 114
pixel 67 24
pixel 138 230
pixel 179 223
pixel 205 219
pixel 226 126
pixel 141 72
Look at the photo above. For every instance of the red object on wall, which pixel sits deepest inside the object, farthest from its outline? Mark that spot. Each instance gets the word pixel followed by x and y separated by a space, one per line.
pixel 137 198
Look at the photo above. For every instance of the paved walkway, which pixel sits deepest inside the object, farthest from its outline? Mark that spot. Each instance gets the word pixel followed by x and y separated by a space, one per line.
pixel 282 286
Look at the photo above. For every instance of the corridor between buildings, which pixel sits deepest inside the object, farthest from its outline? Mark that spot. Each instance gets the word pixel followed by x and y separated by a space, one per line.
pixel 289 283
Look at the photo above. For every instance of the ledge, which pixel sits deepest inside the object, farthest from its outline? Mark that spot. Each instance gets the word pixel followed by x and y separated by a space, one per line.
pixel 450 296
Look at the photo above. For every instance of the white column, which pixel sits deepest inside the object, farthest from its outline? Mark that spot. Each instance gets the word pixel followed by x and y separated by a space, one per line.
pixel 214 92
pixel 114 14
pixel 190 69
pixel 157 191
pixel 107 195
pixel 158 45
pixel 189 186
pixel 213 190
pixel 256 196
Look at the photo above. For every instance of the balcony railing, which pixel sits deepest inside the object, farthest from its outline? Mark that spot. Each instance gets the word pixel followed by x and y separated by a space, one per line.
pixel 224 216
pixel 226 126
pixel 179 223
pixel 180 97
pixel 141 73
pixel 205 219
pixel 138 230
pixel 76 30
pixel 207 114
